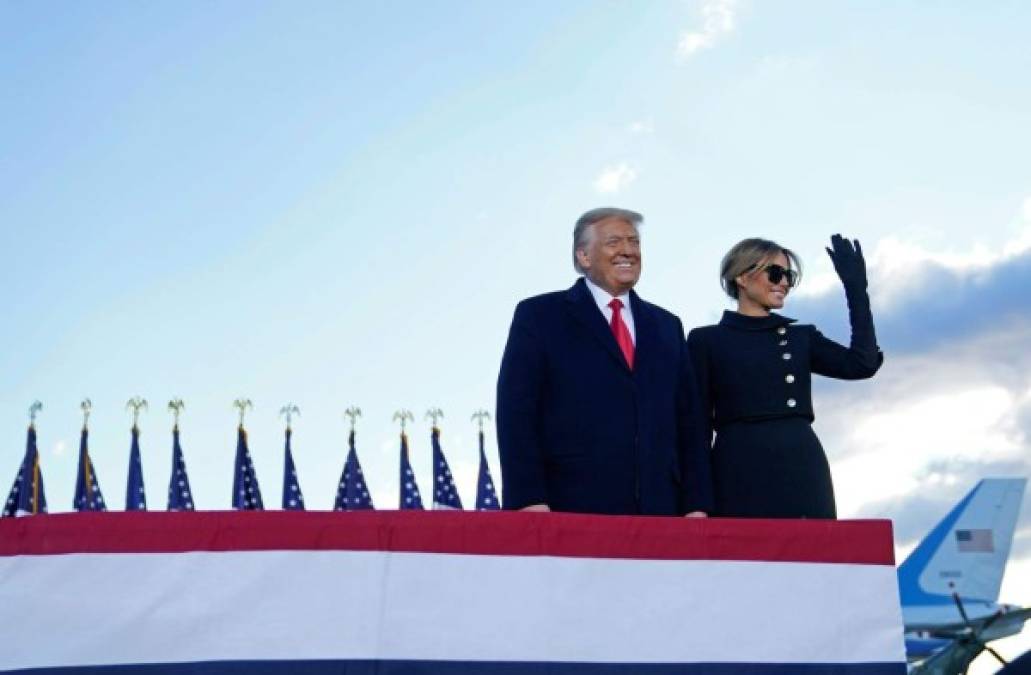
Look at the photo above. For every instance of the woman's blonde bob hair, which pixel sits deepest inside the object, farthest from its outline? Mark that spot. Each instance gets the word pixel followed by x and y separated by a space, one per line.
pixel 749 254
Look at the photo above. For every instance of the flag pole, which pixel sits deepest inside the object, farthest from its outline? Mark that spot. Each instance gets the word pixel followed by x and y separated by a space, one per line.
pixel 486 494
pixel 135 495
pixel 33 409
pixel 242 404
pixel 136 404
pixel 288 411
pixel 176 406
pixel 407 484
pixel 86 406
pixel 352 414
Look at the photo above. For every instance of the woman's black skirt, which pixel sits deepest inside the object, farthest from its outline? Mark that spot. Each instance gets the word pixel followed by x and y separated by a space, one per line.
pixel 771 469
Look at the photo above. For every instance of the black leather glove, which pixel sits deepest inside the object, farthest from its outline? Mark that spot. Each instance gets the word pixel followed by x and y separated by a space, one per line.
pixel 847 257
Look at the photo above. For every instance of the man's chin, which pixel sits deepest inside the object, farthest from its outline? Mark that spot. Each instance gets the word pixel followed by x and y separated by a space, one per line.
pixel 628 282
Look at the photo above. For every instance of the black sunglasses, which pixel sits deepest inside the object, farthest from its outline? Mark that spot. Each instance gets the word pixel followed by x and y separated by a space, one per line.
pixel 775 273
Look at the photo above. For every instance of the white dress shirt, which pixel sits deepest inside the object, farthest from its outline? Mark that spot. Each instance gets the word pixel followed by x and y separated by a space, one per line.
pixel 602 297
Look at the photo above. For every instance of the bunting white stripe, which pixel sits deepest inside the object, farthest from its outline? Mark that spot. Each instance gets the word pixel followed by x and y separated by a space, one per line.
pixel 118 608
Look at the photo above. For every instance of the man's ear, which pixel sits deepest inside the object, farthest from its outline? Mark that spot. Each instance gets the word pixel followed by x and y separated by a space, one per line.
pixel 584 260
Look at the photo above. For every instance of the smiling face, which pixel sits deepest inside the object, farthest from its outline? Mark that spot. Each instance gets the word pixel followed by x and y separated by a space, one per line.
pixel 612 257
pixel 756 294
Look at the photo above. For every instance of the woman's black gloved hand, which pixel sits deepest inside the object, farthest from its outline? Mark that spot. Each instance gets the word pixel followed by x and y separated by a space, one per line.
pixel 847 257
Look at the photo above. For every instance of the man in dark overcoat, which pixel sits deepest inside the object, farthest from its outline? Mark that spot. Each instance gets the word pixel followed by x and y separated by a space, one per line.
pixel 596 409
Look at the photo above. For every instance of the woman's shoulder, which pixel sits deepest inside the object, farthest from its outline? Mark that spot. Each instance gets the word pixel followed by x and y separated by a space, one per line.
pixel 701 334
pixel 801 328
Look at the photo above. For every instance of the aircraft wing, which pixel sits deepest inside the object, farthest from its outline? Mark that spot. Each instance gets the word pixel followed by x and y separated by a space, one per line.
pixel 990 627
pixel 952 660
pixel 965 648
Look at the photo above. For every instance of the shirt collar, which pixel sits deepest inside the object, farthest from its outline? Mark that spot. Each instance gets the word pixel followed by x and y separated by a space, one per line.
pixel 603 297
pixel 743 322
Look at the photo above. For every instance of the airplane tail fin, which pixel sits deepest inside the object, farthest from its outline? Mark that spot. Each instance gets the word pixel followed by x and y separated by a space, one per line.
pixel 967 551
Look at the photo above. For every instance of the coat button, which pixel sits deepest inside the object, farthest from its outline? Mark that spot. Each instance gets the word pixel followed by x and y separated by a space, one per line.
pixel 783 343
pixel 786 356
pixel 792 403
pixel 789 378
pixel 782 330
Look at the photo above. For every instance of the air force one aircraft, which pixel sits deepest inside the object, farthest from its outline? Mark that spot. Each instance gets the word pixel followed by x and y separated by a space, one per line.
pixel 949 584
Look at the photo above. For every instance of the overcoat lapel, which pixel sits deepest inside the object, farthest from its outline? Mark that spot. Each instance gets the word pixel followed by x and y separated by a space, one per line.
pixel 644 335
pixel 583 308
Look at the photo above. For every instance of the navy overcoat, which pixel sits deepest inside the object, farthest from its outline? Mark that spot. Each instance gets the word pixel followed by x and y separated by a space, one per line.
pixel 580 431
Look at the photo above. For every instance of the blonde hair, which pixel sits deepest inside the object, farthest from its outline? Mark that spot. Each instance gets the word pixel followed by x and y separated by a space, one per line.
pixel 750 254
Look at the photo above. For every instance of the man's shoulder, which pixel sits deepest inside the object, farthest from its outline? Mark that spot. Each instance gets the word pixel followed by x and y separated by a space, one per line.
pixel 544 302
pixel 658 312
pixel 544 299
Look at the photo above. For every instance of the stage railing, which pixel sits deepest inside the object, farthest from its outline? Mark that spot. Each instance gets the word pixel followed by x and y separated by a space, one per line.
pixel 445 592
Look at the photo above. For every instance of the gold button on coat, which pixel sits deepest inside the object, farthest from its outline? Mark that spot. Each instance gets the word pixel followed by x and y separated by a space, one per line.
pixel 789 378
pixel 791 403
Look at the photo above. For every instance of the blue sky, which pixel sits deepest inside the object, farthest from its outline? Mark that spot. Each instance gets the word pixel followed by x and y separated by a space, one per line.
pixel 336 204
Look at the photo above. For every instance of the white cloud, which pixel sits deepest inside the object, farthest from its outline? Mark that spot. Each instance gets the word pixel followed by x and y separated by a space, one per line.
pixel 718 20
pixel 926 438
pixel 899 263
pixel 896 265
pixel 615 178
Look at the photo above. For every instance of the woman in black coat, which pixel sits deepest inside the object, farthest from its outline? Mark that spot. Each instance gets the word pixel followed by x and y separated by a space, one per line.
pixel 754 371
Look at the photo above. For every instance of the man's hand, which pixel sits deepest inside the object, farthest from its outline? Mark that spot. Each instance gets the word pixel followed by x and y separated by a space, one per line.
pixel 696 514
pixel 540 508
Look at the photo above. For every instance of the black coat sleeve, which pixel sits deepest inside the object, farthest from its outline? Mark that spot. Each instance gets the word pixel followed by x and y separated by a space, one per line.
pixel 518 412
pixel 862 358
pixel 699 354
pixel 695 415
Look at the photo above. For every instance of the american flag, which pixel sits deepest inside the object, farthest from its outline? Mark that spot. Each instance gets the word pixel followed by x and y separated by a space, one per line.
pixel 410 498
pixel 135 495
pixel 27 496
pixel 486 495
pixel 293 500
pixel 353 493
pixel 246 493
pixel 87 490
pixel 179 496
pixel 975 541
pixel 445 494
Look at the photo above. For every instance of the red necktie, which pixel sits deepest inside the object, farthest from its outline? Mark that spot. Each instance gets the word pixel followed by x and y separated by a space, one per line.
pixel 622 333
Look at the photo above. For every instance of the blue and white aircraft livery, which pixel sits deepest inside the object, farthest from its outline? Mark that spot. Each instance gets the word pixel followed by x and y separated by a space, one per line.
pixel 949 584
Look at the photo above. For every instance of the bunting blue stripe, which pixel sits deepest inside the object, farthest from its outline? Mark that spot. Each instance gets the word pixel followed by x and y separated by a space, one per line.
pixel 390 667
